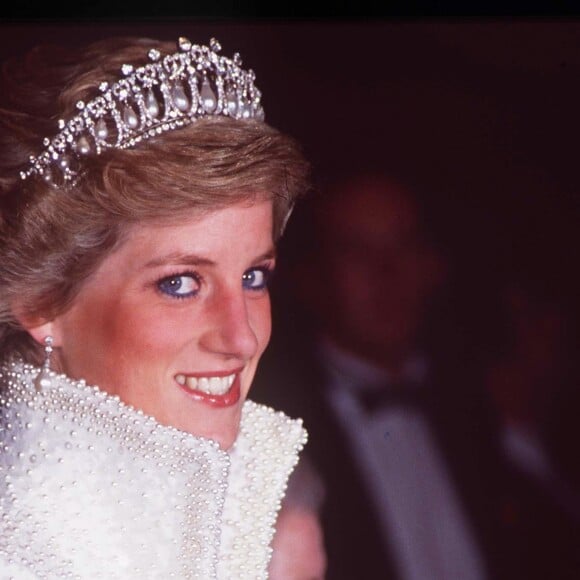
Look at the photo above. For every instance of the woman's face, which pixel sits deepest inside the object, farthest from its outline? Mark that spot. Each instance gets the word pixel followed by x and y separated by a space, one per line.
pixel 176 319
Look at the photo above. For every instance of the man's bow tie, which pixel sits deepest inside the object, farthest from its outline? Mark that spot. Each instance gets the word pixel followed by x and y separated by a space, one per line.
pixel 398 395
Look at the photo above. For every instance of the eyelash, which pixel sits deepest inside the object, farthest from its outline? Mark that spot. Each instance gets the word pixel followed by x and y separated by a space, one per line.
pixel 266 272
pixel 166 284
pixel 173 277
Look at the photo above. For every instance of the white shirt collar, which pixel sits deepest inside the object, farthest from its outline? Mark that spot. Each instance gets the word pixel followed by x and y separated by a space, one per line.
pixel 350 370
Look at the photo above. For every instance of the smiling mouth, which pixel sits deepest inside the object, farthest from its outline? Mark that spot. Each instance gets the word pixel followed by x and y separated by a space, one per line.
pixel 207 385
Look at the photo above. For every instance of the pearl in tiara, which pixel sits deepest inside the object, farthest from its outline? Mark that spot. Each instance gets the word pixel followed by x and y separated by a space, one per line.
pixel 168 93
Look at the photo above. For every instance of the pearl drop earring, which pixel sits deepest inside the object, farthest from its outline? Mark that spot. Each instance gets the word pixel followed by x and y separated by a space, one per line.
pixel 43 379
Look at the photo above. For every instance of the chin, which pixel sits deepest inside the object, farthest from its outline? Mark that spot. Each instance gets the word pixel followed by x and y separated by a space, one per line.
pixel 226 437
pixel 219 425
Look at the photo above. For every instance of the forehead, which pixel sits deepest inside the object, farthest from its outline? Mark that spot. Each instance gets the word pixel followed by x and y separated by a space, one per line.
pixel 235 233
pixel 207 224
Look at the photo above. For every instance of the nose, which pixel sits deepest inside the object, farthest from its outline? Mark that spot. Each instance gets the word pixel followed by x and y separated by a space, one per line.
pixel 229 331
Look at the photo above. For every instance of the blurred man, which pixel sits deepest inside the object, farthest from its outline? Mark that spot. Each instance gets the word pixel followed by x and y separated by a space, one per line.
pixel 398 428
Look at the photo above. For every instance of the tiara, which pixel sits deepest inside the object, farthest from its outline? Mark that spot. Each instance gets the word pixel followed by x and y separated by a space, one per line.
pixel 168 93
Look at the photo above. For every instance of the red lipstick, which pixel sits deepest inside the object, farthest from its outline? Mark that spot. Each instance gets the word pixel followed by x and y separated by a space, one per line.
pixel 231 397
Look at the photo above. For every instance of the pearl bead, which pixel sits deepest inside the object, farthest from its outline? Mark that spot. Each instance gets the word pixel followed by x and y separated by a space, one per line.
pixel 151 104
pixel 208 98
pixel 130 117
pixel 101 130
pixel 83 146
pixel 179 98
pixel 232 103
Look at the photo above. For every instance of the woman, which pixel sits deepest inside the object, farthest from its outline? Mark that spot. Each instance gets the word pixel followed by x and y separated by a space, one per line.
pixel 135 250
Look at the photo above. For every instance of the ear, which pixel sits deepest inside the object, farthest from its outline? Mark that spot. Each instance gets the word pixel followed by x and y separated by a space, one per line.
pixel 38 325
pixel 39 333
pixel 39 330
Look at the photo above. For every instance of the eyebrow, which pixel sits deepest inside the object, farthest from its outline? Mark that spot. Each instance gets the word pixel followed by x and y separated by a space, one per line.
pixel 181 259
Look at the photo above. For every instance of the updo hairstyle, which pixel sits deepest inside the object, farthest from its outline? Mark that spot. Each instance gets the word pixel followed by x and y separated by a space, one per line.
pixel 53 238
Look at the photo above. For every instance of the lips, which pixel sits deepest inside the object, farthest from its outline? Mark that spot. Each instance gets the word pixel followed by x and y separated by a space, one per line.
pixel 209 385
pixel 218 391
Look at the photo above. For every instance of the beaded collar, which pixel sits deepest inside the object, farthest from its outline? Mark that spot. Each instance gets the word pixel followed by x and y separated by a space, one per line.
pixel 92 488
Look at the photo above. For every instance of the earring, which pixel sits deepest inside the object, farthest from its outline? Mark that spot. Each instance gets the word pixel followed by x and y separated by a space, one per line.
pixel 43 380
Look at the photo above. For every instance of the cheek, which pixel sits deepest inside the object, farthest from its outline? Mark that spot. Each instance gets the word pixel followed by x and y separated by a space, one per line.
pixel 147 338
pixel 113 336
pixel 129 327
pixel 261 322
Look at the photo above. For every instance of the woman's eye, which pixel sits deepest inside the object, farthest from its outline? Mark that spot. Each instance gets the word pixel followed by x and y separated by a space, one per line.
pixel 179 286
pixel 256 278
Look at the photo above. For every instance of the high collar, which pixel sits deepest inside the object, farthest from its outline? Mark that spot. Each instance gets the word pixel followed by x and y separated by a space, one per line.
pixel 96 489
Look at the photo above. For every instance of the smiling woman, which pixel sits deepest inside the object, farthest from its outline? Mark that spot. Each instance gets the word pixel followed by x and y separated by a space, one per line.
pixel 173 304
pixel 136 245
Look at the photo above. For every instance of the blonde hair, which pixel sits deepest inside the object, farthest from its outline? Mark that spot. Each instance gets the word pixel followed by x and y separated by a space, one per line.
pixel 52 239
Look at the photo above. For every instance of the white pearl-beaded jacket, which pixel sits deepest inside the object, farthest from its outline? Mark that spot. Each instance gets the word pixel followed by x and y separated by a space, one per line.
pixel 91 488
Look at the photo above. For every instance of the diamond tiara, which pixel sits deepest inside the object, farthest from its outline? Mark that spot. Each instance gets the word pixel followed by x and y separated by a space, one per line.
pixel 168 93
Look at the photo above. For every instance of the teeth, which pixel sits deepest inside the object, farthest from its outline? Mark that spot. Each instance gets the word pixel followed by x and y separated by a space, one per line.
pixel 209 385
